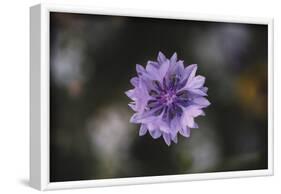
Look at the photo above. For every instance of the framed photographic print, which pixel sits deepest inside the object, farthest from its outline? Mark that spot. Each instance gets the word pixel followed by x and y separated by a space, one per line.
pixel 133 97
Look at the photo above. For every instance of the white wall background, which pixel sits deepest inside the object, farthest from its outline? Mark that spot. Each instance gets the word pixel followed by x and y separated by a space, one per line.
pixel 14 94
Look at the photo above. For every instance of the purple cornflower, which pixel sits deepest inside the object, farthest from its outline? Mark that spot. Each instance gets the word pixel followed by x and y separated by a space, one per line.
pixel 167 97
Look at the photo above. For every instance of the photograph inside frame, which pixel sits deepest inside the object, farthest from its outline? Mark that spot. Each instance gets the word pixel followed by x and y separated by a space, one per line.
pixel 138 97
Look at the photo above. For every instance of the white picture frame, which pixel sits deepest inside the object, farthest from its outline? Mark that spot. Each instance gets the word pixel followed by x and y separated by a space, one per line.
pixel 39 97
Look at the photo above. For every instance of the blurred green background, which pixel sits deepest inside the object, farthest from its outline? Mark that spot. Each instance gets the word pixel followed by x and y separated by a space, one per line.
pixel 92 59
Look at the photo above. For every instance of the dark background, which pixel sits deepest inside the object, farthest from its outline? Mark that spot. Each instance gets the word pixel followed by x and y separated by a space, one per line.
pixel 92 60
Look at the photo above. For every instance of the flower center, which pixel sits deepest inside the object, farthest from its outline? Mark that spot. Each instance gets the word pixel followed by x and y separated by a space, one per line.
pixel 169 97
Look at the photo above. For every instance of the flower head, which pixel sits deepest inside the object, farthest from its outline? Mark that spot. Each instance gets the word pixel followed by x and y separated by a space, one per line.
pixel 167 96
